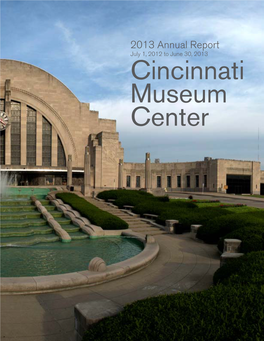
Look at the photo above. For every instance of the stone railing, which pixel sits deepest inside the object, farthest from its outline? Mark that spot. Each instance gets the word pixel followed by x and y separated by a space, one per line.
pixel 83 223
pixel 64 236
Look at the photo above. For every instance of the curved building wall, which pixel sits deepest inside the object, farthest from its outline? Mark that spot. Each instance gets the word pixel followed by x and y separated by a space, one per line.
pixel 62 122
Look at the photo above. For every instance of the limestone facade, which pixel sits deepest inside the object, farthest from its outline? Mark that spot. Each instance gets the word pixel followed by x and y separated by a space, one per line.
pixel 210 175
pixel 76 125
pixel 52 131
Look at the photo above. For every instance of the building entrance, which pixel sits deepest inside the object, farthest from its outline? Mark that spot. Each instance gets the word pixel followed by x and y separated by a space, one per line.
pixel 238 184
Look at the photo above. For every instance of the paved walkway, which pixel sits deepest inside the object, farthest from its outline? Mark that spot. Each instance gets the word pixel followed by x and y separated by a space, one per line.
pixel 182 265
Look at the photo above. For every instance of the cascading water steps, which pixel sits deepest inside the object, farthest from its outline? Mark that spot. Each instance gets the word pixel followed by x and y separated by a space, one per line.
pixel 21 224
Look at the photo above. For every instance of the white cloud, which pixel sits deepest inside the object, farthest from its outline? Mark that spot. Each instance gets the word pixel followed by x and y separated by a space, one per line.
pixel 76 51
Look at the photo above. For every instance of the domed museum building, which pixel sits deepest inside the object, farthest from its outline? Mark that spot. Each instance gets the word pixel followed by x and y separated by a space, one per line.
pixel 46 132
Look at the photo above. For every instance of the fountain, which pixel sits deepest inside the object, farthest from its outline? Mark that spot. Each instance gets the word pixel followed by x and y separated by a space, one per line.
pixel 29 246
pixel 6 180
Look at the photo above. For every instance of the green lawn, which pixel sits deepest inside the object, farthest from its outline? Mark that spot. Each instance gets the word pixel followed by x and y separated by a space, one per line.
pixel 202 204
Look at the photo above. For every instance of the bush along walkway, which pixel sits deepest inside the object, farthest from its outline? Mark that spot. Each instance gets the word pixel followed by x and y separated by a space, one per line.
pixel 135 223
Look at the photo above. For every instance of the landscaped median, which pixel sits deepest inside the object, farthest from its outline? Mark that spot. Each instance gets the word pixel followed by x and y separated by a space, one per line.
pixel 96 216
pixel 218 221
pixel 186 211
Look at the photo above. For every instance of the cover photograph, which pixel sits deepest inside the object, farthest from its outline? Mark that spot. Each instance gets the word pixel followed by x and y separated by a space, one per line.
pixel 131 170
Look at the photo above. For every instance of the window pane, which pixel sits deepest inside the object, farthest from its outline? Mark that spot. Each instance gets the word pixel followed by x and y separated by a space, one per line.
pixel 61 154
pixel 179 181
pixel 128 181
pixel 46 142
pixel 15 133
pixel 138 181
pixel 197 181
pixel 31 137
pixel 158 181
pixel 188 180
pixel 205 180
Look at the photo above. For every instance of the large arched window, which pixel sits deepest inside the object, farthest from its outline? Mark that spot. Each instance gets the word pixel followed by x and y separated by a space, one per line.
pixel 31 136
pixel 46 142
pixel 15 133
pixel 61 154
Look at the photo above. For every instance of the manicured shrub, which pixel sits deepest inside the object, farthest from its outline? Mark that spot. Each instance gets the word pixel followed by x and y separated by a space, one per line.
pixel 151 207
pixel 144 202
pixel 131 200
pixel 220 226
pixel 117 194
pixel 163 199
pixel 189 217
pixel 252 239
pixel 221 314
pixel 246 270
pixel 112 194
pixel 126 197
pixel 96 216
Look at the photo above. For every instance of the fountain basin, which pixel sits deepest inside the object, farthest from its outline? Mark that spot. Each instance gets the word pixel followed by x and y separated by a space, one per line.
pixel 36 284
pixel 34 260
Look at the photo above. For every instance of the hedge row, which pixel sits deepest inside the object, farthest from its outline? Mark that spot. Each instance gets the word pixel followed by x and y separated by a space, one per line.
pixel 188 217
pixel 232 310
pixel 217 222
pixel 221 226
pixel 186 211
pixel 96 216
pixel 246 270
pixel 116 194
pixel 221 314
pixel 252 238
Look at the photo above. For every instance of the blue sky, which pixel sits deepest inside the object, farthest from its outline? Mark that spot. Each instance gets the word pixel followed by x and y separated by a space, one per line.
pixel 86 45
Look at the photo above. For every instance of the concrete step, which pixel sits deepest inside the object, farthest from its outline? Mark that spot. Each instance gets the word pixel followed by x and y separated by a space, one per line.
pixel 146 229
pixel 140 227
pixel 139 224
pixel 135 223
pixel 152 233
pixel 126 216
